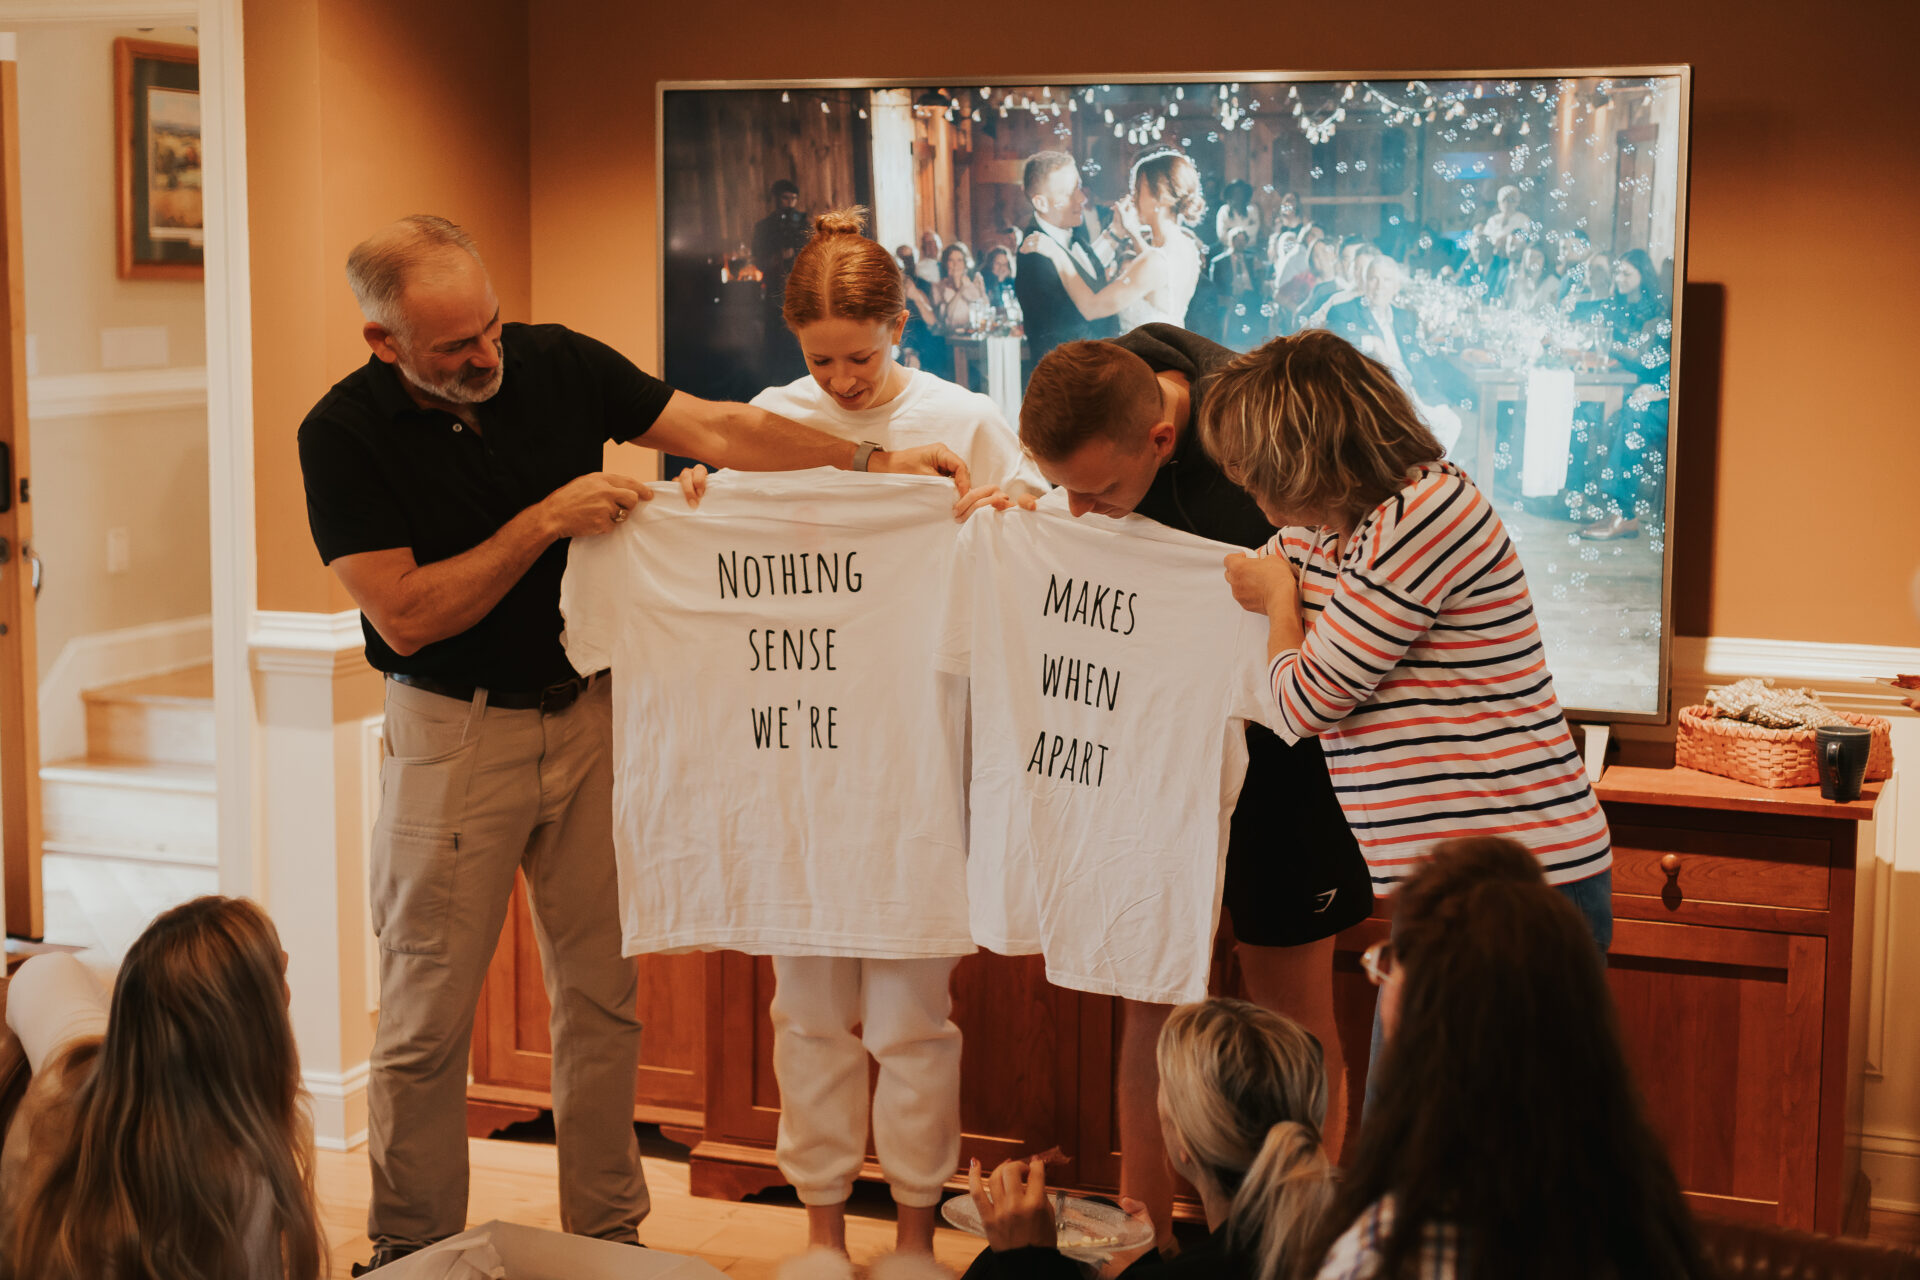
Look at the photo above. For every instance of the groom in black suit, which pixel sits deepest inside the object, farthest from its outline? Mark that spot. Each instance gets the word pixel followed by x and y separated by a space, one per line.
pixel 1052 183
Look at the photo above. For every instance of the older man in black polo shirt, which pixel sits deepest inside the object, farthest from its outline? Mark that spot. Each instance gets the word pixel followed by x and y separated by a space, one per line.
pixel 443 481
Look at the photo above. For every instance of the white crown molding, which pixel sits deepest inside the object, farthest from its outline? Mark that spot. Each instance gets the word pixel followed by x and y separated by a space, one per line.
pixel 76 395
pixel 128 12
pixel 284 642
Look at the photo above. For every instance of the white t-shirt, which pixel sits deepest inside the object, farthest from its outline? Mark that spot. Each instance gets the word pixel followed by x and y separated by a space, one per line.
pixel 1112 675
pixel 930 410
pixel 788 773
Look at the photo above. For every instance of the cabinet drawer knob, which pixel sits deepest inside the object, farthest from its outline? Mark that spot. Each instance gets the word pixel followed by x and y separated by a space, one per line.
pixel 1671 865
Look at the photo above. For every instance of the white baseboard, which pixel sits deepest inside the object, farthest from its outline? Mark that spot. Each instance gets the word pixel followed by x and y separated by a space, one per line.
pixel 108 657
pixel 339 1107
pixel 1891 1162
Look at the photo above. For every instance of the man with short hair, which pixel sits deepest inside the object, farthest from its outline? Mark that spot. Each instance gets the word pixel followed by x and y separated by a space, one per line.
pixel 1391 335
pixel 777 239
pixel 1051 180
pixel 444 479
pixel 779 236
pixel 1113 424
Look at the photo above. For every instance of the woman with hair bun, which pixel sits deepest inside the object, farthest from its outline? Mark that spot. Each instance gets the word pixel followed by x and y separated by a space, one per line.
pixel 846 304
pixel 1158 284
pixel 1243 1095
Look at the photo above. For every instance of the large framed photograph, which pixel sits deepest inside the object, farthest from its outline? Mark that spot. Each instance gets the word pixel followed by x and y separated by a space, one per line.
pixel 1510 244
pixel 162 223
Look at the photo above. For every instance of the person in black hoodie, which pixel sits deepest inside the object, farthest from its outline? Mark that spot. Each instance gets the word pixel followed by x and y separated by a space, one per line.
pixel 1112 424
pixel 1243 1095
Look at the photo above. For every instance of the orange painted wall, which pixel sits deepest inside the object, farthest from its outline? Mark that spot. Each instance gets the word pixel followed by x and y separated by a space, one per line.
pixel 1802 523
pixel 359 112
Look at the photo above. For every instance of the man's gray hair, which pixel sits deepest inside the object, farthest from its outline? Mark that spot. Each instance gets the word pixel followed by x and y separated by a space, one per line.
pixel 381 266
pixel 1040 166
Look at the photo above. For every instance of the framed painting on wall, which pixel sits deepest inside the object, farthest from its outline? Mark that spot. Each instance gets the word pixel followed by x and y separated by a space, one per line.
pixel 157 160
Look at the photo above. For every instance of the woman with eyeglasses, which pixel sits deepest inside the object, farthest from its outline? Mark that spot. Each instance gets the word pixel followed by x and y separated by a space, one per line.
pixel 1507 1138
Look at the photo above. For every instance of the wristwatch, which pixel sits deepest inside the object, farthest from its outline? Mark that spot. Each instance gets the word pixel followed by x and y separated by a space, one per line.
pixel 863 454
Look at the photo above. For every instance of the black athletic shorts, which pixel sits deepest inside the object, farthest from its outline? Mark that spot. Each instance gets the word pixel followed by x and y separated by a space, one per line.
pixel 1294 870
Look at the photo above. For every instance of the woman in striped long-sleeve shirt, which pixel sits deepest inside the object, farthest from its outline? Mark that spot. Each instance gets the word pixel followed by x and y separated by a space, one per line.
pixel 1403 634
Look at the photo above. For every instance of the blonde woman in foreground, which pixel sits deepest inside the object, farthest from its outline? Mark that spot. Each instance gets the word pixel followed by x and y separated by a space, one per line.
pixel 1243 1093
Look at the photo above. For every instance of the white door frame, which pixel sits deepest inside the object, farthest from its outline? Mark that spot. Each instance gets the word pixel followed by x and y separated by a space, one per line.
pixel 230 445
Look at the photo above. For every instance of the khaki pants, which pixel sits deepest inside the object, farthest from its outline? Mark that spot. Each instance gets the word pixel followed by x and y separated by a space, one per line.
pixel 902 1008
pixel 469 794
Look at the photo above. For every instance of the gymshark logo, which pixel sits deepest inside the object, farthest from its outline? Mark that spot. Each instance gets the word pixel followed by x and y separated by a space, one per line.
pixel 1326 900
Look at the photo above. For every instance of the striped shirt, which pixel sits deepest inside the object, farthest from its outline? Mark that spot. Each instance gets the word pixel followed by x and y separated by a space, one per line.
pixel 1423 675
pixel 1356 1254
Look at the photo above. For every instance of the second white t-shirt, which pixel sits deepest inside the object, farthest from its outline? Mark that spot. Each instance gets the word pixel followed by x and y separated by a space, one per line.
pixel 1112 676
pixel 930 410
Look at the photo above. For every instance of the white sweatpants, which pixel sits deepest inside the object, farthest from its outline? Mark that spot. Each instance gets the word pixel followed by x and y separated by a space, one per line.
pixel 902 1008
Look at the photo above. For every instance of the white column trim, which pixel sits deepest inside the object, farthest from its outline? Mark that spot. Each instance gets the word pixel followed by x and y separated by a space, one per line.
pixel 290 643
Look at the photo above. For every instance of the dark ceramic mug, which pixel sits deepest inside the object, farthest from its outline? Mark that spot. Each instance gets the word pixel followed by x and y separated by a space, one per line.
pixel 1842 750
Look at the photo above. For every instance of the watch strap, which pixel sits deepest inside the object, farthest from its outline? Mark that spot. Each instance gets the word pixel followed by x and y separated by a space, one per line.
pixel 863 454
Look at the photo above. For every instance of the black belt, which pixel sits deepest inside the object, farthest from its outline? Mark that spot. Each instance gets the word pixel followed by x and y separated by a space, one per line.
pixel 548 701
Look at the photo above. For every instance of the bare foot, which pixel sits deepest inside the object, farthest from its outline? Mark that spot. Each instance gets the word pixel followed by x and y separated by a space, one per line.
pixel 827 1227
pixel 914 1230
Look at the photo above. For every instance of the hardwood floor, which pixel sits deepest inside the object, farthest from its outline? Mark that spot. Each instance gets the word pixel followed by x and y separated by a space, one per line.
pixel 516 1181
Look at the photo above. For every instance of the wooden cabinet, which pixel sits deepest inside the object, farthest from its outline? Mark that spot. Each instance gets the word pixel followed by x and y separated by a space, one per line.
pixel 1734 949
pixel 513 1053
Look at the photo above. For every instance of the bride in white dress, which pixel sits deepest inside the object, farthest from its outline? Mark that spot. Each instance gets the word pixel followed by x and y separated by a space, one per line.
pixel 1158 283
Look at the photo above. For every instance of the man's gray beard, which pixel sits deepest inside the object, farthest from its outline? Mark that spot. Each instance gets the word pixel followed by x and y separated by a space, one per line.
pixel 457 391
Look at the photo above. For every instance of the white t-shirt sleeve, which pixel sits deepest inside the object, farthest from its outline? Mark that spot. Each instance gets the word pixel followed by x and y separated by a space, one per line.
pixel 590 590
pixel 1250 691
pixel 953 652
pixel 1003 461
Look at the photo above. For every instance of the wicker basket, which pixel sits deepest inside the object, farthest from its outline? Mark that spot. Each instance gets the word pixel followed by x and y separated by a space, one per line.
pixel 1768 757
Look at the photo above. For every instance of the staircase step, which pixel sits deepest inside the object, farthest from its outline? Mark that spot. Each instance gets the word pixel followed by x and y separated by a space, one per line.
pixel 155 813
pixel 164 718
pixel 104 903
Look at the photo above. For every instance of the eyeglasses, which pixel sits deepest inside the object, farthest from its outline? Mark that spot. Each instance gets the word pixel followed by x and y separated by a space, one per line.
pixel 1377 960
